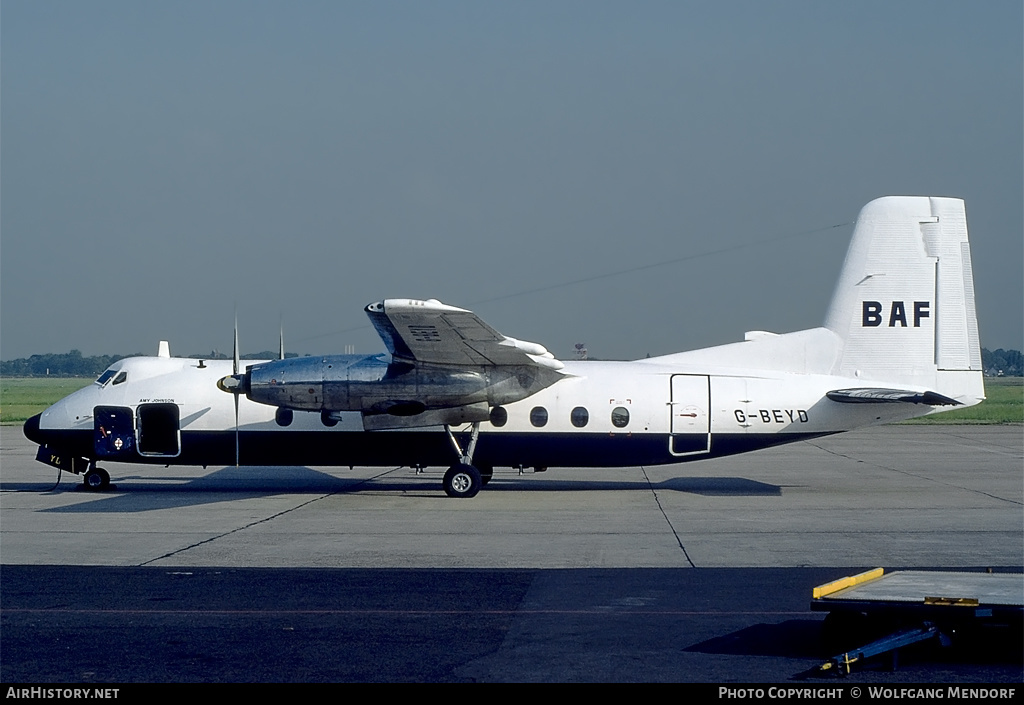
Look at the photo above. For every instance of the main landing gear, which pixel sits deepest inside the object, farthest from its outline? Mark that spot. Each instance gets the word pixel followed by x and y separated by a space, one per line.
pixel 95 478
pixel 463 479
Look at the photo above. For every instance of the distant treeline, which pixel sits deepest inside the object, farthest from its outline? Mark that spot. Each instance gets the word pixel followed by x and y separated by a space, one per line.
pixel 1009 363
pixel 74 364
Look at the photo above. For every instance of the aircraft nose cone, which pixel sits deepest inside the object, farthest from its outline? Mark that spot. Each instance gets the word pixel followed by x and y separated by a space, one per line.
pixel 32 429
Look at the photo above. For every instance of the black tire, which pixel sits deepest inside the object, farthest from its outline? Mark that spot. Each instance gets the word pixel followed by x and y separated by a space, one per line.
pixel 462 481
pixel 486 473
pixel 96 479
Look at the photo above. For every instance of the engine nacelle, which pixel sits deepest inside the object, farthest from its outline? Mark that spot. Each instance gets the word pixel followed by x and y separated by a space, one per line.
pixel 376 384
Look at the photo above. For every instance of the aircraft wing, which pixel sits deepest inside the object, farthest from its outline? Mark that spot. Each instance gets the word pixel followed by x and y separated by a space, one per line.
pixel 875 395
pixel 435 333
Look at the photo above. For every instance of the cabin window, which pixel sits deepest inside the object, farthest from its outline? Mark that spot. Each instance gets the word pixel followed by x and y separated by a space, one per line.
pixel 539 416
pixel 105 377
pixel 579 417
pixel 620 417
pixel 121 377
pixel 499 416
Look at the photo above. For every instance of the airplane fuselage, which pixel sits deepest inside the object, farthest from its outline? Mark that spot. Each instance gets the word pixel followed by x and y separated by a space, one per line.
pixel 600 414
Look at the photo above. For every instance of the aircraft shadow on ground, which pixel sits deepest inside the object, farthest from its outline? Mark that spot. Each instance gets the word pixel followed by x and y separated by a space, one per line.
pixel 794 638
pixel 139 493
pixel 706 486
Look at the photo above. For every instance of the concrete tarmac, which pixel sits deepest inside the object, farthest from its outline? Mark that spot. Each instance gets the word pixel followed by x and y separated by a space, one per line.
pixel 695 572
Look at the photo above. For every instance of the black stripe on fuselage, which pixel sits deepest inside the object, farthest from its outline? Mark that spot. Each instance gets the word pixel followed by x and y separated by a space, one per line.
pixel 427 448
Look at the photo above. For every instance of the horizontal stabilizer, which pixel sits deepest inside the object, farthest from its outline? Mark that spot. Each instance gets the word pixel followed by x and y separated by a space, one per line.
pixel 874 395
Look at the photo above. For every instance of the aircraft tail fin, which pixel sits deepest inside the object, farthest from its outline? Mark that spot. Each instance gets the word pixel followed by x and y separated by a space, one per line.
pixel 904 304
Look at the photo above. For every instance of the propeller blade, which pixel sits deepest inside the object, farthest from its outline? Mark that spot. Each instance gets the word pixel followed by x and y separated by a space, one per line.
pixel 234 369
pixel 234 354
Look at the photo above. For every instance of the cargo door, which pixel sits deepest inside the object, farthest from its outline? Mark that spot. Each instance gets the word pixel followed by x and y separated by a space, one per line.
pixel 113 432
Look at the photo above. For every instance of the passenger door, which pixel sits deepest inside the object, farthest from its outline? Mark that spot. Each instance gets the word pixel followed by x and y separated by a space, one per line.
pixel 691 417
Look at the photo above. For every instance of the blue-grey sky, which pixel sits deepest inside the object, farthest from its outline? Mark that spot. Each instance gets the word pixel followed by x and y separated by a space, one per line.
pixel 162 162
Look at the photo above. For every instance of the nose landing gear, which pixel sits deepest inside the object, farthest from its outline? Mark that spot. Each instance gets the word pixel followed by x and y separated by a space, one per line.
pixel 95 478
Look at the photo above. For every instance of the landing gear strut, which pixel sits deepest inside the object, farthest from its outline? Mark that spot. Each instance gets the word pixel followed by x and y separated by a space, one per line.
pixel 462 479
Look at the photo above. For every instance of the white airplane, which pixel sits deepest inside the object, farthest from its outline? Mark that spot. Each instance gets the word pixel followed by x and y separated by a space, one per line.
pixel 900 340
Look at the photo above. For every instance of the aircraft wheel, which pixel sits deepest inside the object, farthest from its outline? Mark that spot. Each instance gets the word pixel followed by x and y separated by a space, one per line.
pixel 96 479
pixel 462 481
pixel 486 473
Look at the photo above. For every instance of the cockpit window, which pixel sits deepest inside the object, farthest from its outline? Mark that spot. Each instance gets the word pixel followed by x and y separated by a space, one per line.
pixel 104 378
